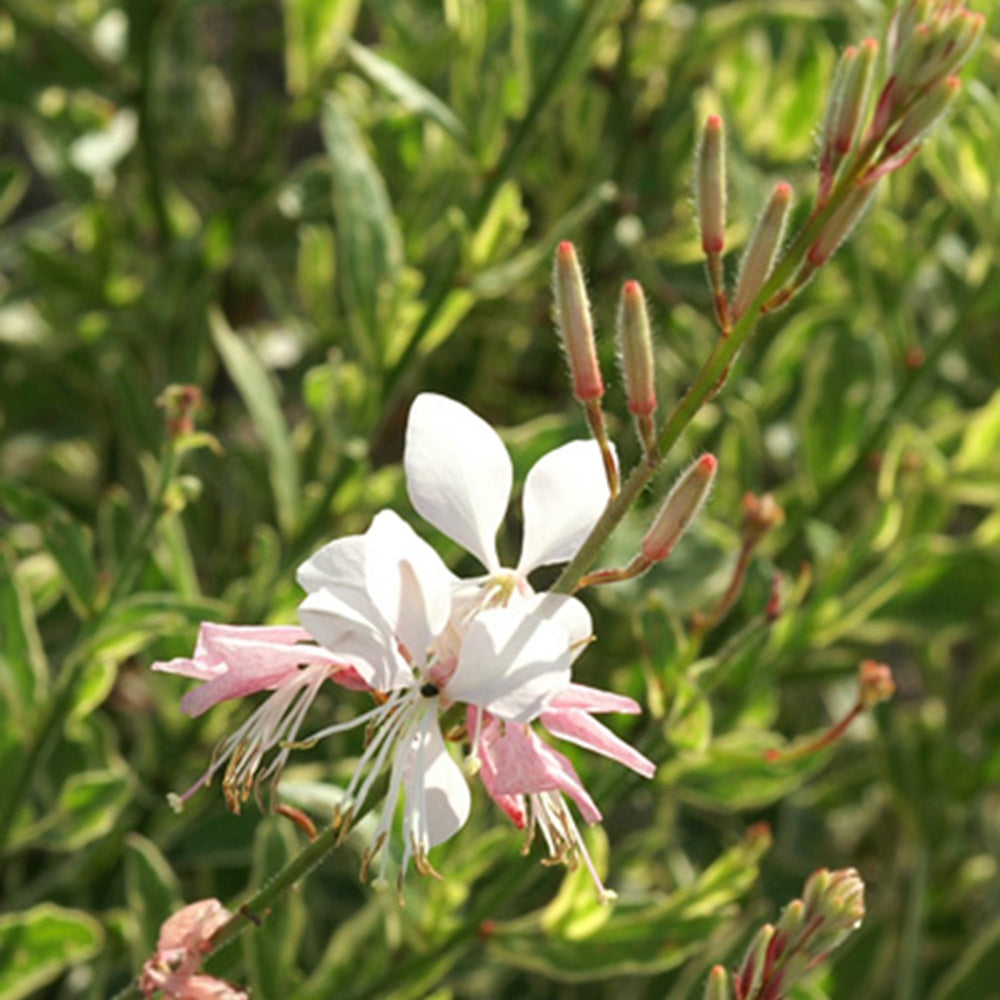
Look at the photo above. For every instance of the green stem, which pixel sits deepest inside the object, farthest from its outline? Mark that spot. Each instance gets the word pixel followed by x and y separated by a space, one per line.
pixel 710 378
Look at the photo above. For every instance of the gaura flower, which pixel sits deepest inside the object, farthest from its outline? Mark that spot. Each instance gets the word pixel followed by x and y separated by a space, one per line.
pixel 185 938
pixel 238 660
pixel 528 778
pixel 397 631
pixel 459 478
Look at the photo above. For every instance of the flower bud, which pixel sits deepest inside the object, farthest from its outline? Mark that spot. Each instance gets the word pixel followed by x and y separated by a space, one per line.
pixel 717 987
pixel 751 970
pixel 925 113
pixel 840 223
pixel 573 319
pixel 758 258
pixel 679 509
pixel 835 902
pixel 875 682
pixel 855 96
pixel 711 186
pixel 760 515
pixel 637 350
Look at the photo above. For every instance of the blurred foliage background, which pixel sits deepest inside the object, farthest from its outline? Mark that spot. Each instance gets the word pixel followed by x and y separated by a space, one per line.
pixel 314 209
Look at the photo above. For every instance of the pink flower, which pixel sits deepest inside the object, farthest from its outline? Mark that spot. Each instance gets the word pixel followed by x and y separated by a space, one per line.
pixel 239 660
pixel 185 938
pixel 527 778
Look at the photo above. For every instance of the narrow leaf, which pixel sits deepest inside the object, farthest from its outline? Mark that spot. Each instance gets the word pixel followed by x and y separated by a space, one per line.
pixel 260 395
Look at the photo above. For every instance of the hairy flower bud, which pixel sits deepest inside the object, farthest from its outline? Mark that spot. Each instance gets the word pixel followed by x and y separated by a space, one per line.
pixel 711 186
pixel 841 221
pixel 575 325
pixel 924 114
pixel 680 507
pixel 717 987
pixel 758 258
pixel 855 96
pixel 637 350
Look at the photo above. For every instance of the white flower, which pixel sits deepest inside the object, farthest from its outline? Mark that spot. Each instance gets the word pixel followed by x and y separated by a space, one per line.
pixel 384 602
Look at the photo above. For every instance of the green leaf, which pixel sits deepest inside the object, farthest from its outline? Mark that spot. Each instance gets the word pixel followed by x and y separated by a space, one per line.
pixel 63 536
pixel 39 944
pixel 260 395
pixel 369 245
pixel 405 89
pixel 23 668
pixel 152 891
pixel 314 32
pixel 633 937
pixel 89 806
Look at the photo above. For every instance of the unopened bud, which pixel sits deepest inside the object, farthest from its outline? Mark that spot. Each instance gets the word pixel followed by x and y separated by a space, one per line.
pixel 637 350
pixel 180 403
pixel 760 515
pixel 924 114
pixel 679 509
pixel 875 683
pixel 711 186
pixel 751 970
pixel 717 987
pixel 835 902
pixel 854 97
pixel 573 319
pixel 841 222
pixel 758 259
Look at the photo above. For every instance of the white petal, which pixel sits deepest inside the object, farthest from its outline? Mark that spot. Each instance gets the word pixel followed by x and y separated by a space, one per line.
pixel 458 473
pixel 355 633
pixel 511 664
pixel 437 795
pixel 408 583
pixel 338 564
pixel 567 612
pixel 565 493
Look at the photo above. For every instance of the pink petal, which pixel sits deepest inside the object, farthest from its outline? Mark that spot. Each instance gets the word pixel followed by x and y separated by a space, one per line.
pixel 591 699
pixel 580 728
pixel 565 493
pixel 238 660
pixel 458 473
pixel 525 765
pixel 201 987
pixel 191 928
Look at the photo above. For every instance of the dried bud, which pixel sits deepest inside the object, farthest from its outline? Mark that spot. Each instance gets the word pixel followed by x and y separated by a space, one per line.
pixel 760 515
pixel 711 186
pixel 573 319
pixel 679 509
pixel 758 259
pixel 637 350
pixel 841 221
pixel 180 403
pixel 924 114
pixel 875 683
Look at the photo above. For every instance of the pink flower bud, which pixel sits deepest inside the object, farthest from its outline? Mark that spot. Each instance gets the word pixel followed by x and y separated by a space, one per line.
pixel 758 258
pixel 711 186
pixel 924 114
pixel 680 508
pixel 854 97
pixel 841 222
pixel 717 987
pixel 637 350
pixel 573 319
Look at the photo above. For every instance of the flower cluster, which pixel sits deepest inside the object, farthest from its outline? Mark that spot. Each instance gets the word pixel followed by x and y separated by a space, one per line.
pixel 385 615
